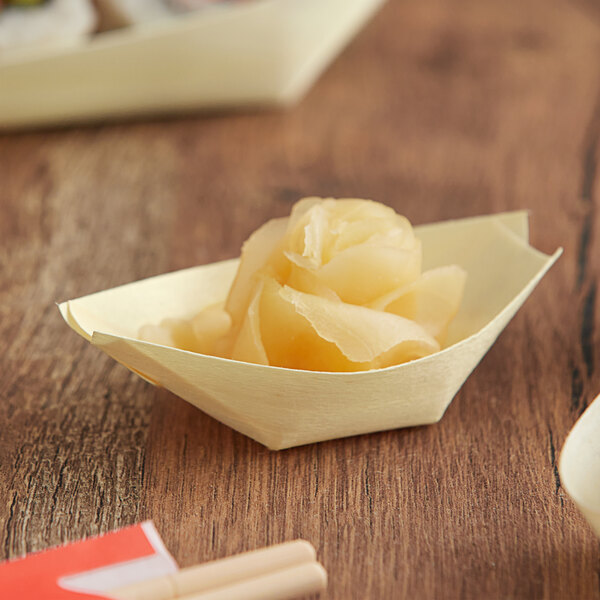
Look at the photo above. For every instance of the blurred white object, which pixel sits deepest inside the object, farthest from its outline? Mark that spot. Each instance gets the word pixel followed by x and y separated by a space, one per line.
pixel 580 464
pixel 57 23
pixel 267 52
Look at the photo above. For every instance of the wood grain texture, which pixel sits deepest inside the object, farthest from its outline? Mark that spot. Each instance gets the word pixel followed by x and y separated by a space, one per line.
pixel 440 109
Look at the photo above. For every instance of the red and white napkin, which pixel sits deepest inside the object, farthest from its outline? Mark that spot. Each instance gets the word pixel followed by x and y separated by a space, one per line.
pixel 89 568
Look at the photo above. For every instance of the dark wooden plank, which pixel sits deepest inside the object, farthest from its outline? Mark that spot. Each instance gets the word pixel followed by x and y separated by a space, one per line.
pixel 440 110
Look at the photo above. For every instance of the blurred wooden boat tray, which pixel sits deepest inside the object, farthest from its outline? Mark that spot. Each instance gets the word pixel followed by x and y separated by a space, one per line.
pixel 261 53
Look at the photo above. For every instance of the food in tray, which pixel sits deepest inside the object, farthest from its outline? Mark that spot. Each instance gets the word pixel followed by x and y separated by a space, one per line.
pixel 120 13
pixel 282 408
pixel 336 286
pixel 56 23
pixel 51 23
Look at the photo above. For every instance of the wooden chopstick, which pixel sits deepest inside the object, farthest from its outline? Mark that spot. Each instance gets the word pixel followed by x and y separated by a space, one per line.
pixel 284 584
pixel 227 572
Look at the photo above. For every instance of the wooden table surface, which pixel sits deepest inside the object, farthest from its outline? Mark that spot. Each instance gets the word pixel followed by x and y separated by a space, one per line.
pixel 439 109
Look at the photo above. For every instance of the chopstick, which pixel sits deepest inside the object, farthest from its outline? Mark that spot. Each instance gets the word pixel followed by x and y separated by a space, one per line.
pixel 278 572
pixel 279 585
